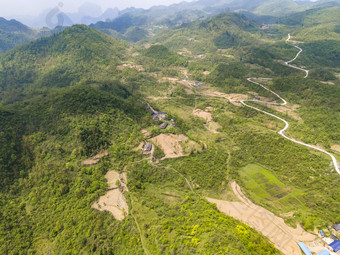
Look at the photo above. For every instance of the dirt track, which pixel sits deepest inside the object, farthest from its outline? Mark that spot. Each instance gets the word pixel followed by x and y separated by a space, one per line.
pixel 284 238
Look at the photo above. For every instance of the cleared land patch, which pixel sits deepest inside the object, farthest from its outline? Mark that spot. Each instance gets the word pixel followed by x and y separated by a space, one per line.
pixel 95 159
pixel 264 187
pixel 114 201
pixel 211 125
pixel 171 145
pixel 336 148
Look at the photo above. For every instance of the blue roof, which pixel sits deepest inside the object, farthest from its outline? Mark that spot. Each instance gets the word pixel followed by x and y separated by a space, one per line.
pixel 325 252
pixel 322 233
pixel 304 248
pixel 335 246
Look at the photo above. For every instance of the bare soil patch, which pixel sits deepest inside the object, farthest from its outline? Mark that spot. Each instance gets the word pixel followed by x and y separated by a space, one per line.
pixel 139 68
pixel 188 87
pixel 170 79
pixel 232 98
pixel 336 148
pixel 203 114
pixel 114 200
pixel 188 91
pixel 206 115
pixel 145 133
pixel 284 237
pixel 328 82
pixel 171 145
pixel 95 159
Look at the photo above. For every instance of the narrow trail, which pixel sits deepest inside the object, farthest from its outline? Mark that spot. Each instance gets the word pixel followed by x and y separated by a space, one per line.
pixel 284 102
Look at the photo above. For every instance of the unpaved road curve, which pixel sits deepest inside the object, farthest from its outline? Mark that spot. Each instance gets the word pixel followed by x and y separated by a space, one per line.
pixel 284 238
pixel 282 132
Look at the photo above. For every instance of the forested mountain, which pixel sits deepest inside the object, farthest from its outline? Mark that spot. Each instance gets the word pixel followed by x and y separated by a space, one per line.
pixel 63 100
pixel 78 53
pixel 185 12
pixel 13 33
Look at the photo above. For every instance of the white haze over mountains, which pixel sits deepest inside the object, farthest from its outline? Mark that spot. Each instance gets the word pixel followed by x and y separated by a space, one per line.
pixel 42 13
pixel 23 9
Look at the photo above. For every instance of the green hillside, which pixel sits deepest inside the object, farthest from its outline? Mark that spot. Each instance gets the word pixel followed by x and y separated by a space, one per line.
pixel 220 32
pixel 62 101
pixel 161 18
pixel 279 8
pixel 13 33
pixel 75 55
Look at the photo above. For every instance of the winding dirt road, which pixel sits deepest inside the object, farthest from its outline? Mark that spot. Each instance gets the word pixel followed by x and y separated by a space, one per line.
pixel 284 237
pixel 284 102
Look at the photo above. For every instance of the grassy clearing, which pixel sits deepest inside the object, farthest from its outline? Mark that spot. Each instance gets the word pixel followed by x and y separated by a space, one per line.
pixel 262 185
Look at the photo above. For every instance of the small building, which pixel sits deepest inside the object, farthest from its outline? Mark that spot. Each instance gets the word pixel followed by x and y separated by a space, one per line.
pixel 198 84
pixel 304 248
pixel 335 246
pixel 147 147
pixel 336 227
pixel 185 79
pixel 333 237
pixel 173 124
pixel 163 125
pixel 324 252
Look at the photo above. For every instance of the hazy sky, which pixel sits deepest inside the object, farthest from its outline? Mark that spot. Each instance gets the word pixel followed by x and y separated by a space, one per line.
pixel 10 8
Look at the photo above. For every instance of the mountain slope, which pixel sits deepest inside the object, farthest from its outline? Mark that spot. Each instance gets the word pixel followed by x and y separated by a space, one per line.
pixel 13 33
pixel 78 53
pixel 220 32
pixel 185 12
pixel 64 101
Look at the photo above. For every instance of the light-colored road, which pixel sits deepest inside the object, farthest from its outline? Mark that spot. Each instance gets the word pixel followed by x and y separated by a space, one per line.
pixel 297 55
pixel 284 102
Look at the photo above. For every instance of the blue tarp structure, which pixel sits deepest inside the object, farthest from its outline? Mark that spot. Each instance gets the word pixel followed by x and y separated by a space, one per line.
pixel 304 248
pixel 322 233
pixel 325 252
pixel 335 246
